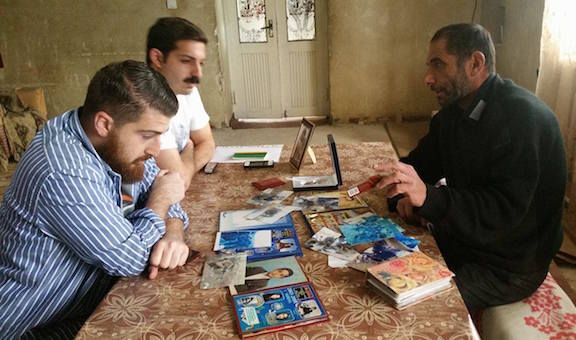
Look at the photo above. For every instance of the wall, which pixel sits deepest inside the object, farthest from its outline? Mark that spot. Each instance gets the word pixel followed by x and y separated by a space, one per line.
pixel 378 54
pixel 60 44
pixel 518 52
pixel 377 48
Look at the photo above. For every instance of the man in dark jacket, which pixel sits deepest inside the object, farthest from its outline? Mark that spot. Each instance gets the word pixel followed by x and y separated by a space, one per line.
pixel 497 220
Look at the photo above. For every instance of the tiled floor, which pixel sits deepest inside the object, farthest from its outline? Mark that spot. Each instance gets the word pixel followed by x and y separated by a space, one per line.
pixel 404 136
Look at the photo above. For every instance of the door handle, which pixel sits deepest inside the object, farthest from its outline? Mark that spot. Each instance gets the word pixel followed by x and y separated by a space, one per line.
pixel 270 28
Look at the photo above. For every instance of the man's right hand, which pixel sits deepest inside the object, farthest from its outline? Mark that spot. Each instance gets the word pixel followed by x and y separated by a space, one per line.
pixel 168 188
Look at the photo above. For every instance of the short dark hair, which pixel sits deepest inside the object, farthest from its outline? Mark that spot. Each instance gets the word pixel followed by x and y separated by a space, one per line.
pixel 125 89
pixel 290 271
pixel 164 34
pixel 464 39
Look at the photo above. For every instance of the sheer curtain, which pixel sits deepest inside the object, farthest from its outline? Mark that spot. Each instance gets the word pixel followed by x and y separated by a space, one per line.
pixel 557 79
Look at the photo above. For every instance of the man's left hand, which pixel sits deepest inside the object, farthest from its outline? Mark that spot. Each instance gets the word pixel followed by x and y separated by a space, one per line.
pixel 169 252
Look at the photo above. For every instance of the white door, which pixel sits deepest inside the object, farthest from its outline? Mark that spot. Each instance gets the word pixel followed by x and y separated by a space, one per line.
pixel 278 57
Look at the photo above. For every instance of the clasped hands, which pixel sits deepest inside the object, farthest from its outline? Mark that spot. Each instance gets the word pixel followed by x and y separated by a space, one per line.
pixel 402 178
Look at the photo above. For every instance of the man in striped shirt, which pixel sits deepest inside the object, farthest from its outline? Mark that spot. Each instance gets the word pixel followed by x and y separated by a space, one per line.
pixel 64 232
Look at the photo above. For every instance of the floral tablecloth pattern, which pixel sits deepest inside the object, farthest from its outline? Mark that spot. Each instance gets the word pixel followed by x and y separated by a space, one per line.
pixel 174 307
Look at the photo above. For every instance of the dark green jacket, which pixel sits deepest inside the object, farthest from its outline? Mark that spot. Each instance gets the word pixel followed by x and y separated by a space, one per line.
pixel 504 165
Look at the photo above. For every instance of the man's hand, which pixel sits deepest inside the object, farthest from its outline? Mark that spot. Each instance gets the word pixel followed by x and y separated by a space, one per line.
pixel 401 178
pixel 167 189
pixel 406 211
pixel 171 251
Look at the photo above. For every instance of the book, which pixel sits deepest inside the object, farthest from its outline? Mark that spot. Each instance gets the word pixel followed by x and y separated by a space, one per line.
pixel 277 309
pixel 270 274
pixel 409 279
pixel 284 243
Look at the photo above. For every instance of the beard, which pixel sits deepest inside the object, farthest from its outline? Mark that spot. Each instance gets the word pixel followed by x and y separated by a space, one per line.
pixel 457 88
pixel 113 152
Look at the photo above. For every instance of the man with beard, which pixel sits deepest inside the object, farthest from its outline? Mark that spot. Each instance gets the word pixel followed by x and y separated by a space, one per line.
pixel 64 237
pixel 497 221
pixel 177 49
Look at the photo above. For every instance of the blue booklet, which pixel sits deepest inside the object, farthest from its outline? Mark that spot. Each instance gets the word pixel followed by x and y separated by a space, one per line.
pixel 236 241
pixel 284 243
pixel 369 229
pixel 276 309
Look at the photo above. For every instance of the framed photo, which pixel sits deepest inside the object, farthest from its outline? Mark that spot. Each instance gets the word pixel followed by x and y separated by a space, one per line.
pixel 301 143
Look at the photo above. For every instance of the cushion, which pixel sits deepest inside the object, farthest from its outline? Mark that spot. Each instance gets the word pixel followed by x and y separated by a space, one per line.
pixel 33 97
pixel 547 314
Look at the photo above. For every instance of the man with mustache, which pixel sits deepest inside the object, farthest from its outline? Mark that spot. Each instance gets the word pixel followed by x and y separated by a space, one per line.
pixel 65 235
pixel 177 49
pixel 497 220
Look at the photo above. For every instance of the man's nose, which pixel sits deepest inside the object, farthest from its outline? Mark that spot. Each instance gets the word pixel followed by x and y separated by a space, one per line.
pixel 153 149
pixel 197 70
pixel 429 78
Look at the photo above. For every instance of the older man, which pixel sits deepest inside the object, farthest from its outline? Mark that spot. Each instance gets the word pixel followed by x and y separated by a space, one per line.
pixel 500 151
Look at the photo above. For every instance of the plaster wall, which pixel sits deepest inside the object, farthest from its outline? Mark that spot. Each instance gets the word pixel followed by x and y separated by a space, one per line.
pixel 60 44
pixel 378 55
pixel 518 39
pixel 377 48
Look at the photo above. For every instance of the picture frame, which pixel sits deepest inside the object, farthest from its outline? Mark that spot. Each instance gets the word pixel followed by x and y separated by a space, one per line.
pixel 301 144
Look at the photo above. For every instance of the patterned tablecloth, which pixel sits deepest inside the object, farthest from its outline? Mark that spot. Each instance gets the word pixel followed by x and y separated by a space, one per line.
pixel 174 307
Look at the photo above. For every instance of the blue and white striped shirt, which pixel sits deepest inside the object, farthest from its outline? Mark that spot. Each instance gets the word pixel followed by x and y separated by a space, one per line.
pixel 62 228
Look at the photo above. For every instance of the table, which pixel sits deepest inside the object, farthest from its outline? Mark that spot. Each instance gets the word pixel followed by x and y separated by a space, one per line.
pixel 174 307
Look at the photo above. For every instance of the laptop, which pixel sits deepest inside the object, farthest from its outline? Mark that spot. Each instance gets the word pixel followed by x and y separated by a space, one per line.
pixel 328 182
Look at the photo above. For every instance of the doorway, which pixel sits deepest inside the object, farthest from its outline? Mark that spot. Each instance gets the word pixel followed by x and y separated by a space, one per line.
pixel 277 56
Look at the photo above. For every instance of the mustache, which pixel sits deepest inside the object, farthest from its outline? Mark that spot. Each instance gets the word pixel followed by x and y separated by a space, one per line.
pixel 192 80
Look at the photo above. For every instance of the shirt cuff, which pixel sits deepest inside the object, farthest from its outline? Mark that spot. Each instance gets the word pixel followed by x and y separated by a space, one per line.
pixel 145 218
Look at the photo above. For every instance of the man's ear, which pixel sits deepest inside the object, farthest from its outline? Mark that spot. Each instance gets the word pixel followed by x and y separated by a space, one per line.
pixel 156 58
pixel 478 63
pixel 103 124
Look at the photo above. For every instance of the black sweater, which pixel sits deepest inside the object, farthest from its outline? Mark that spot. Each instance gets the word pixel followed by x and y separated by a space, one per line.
pixel 504 165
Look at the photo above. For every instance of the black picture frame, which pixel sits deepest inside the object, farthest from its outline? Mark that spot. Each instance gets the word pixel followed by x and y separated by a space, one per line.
pixel 301 144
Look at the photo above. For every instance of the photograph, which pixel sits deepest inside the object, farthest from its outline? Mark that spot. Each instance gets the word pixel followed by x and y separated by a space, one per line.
pixel 270 273
pixel 301 143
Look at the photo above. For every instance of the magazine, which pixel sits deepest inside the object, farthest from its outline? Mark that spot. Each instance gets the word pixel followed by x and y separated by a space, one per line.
pixel 276 309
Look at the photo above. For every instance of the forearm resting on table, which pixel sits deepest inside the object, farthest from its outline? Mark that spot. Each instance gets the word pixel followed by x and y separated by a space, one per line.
pixel 203 153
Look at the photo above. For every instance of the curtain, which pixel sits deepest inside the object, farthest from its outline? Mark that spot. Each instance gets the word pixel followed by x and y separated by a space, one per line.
pixel 556 83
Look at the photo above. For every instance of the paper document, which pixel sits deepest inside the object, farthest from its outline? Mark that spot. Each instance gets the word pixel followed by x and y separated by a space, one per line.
pixel 224 154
